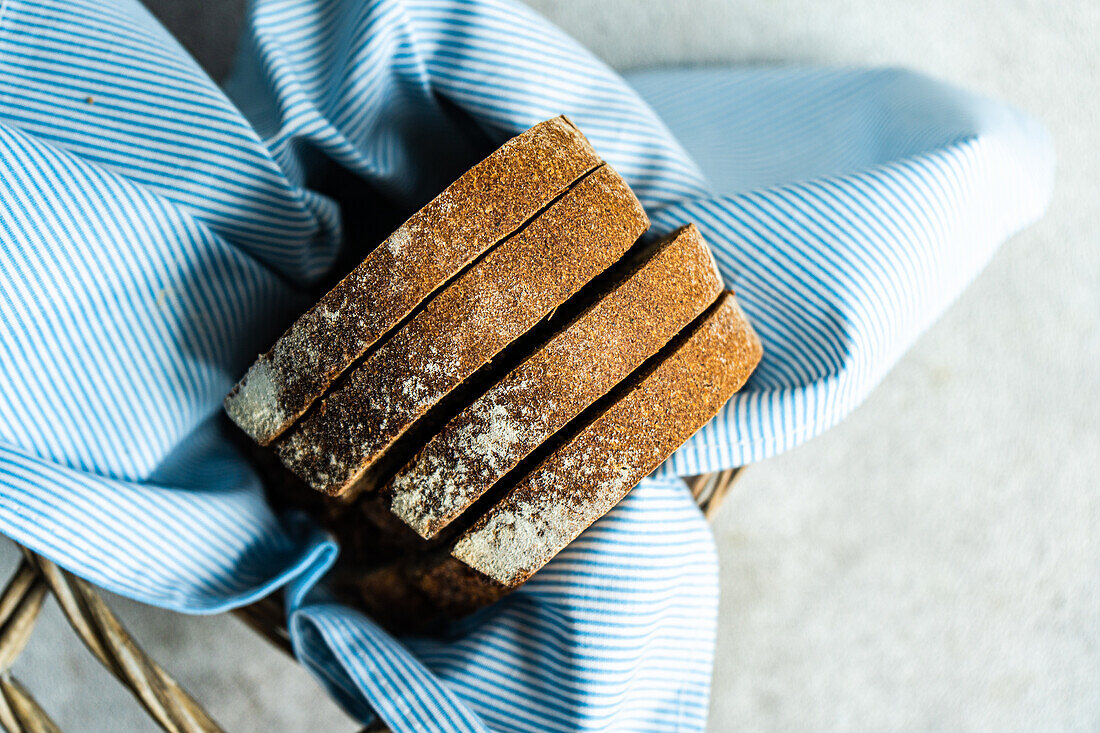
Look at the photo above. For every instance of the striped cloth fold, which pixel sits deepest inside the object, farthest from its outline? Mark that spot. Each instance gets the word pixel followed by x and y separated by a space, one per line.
pixel 158 232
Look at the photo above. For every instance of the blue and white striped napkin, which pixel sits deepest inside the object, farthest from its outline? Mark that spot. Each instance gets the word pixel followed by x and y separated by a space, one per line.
pixel 159 232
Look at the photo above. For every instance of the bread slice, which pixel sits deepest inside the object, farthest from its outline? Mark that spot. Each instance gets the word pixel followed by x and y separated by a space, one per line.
pixel 596 350
pixel 486 204
pixel 586 475
pixel 498 299
pixel 582 476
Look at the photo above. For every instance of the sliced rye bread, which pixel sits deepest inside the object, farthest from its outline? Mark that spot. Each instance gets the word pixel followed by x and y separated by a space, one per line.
pixel 640 425
pixel 486 204
pixel 636 316
pixel 499 298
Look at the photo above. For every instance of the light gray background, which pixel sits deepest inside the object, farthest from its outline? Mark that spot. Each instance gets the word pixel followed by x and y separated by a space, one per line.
pixel 931 564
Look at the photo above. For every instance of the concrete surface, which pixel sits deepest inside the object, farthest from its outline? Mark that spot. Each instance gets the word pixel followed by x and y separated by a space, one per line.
pixel 931 564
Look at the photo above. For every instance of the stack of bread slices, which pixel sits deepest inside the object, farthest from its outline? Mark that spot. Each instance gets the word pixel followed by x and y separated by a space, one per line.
pixel 495 376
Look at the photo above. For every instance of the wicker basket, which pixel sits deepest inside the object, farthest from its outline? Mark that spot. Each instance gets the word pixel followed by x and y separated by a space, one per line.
pixel 166 702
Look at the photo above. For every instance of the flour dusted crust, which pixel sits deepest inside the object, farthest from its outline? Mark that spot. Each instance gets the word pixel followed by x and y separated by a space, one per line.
pixel 528 453
pixel 585 477
pixel 486 204
pixel 459 330
pixel 592 353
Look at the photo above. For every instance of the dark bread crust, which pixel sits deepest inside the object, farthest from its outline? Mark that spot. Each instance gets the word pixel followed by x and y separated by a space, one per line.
pixel 418 596
pixel 596 350
pixel 405 342
pixel 462 328
pixel 582 479
pixel 647 418
pixel 486 204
